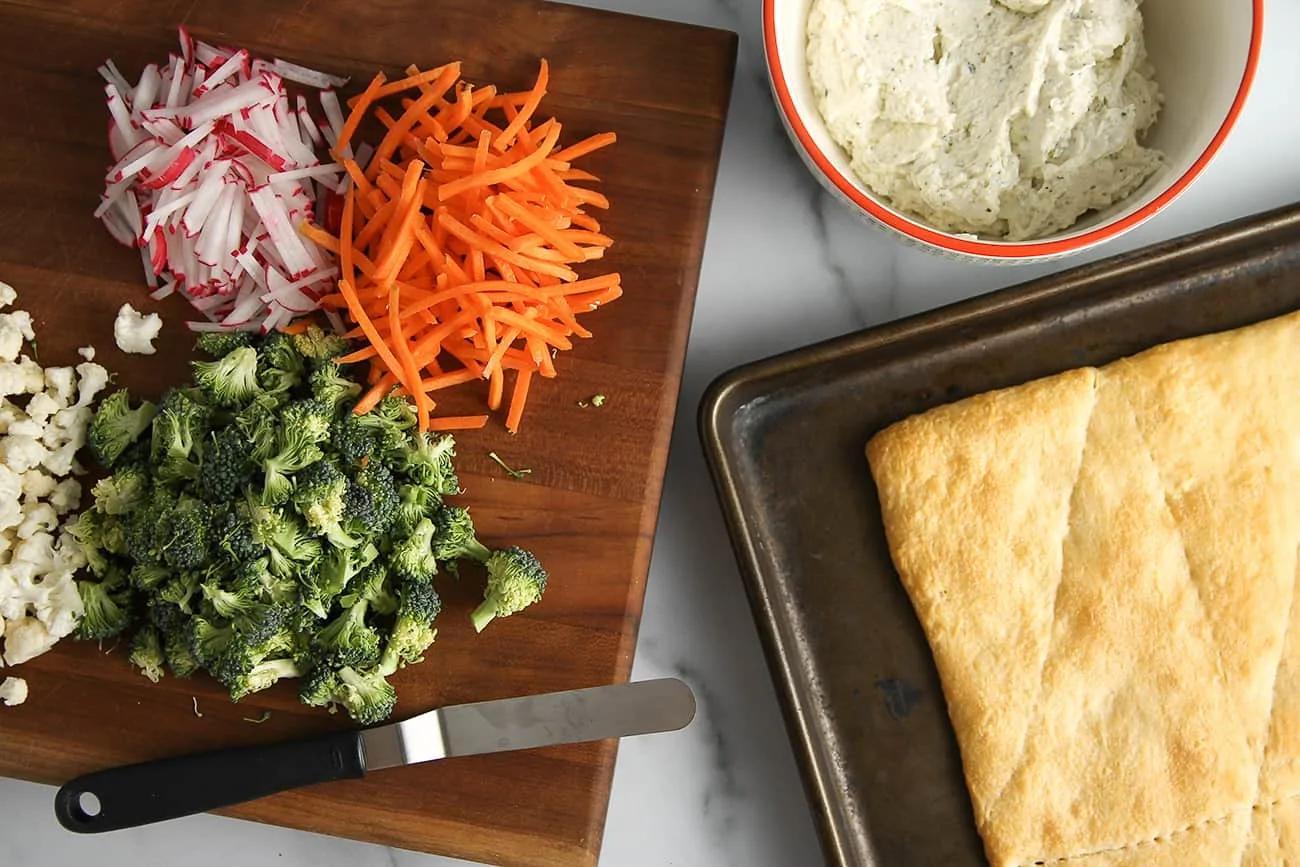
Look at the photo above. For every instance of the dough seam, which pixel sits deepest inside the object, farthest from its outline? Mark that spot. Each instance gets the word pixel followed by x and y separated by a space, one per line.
pixel 1163 838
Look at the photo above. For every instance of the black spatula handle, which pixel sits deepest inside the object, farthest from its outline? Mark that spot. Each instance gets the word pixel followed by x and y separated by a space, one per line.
pixel 155 791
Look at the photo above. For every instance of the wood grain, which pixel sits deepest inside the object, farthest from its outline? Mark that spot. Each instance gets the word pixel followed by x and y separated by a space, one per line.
pixel 589 507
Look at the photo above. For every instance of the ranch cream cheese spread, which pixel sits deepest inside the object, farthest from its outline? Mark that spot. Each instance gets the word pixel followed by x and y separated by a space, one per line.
pixel 1003 118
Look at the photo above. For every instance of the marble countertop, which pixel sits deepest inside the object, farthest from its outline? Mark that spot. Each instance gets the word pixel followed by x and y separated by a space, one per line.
pixel 726 790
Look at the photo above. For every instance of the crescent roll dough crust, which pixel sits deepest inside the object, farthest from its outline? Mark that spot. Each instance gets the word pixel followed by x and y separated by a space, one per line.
pixel 1103 562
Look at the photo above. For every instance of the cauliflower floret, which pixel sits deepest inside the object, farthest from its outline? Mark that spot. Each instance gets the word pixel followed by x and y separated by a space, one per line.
pixel 68 553
pixel 23 376
pixel 26 639
pixel 87 352
pixel 66 496
pixel 60 608
pixel 134 331
pixel 8 294
pixel 42 406
pixel 15 329
pixel 94 379
pixel 27 428
pixel 22 453
pixel 68 425
pixel 11 513
pixel 10 412
pixel 36 548
pixel 13 595
pixel 13 690
pixel 63 460
pixel 38 484
pixel 61 384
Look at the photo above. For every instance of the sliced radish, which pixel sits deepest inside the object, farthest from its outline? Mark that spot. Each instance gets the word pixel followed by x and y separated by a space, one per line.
pixel 216 168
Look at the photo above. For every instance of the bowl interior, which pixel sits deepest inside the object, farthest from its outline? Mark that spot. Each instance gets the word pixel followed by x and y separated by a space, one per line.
pixel 1201 50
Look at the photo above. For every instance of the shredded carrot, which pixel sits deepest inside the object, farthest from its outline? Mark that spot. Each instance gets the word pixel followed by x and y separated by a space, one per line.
pixel 518 397
pixel 461 241
pixel 458 422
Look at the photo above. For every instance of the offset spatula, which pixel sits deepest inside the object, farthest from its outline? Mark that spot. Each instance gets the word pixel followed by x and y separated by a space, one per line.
pixel 135 795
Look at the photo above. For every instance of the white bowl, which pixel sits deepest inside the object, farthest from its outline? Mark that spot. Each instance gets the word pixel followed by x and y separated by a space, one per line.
pixel 1205 53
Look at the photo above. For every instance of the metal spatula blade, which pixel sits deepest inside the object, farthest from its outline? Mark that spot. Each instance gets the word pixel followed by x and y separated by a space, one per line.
pixel 149 792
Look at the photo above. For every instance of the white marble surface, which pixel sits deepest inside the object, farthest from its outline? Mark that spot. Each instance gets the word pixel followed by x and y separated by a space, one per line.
pixel 726 791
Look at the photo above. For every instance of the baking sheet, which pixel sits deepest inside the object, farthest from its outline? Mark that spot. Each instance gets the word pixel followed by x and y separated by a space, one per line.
pixel 784 438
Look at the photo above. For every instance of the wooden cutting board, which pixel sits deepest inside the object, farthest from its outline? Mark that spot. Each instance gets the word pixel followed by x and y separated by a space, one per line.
pixel 589 506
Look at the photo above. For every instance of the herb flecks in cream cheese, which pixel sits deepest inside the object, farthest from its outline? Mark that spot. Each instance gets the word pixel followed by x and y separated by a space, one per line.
pixel 1003 118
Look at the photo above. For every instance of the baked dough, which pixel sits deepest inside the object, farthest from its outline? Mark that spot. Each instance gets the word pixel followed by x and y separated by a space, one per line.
pixel 1103 563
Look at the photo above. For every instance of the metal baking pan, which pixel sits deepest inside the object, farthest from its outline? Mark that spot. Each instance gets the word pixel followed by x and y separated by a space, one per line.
pixel 785 441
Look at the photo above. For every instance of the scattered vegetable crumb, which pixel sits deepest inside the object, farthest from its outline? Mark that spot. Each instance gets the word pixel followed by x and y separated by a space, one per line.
pixel 598 400
pixel 266 715
pixel 197 712
pixel 518 474
pixel 134 332
pixel 13 691
pixel 87 352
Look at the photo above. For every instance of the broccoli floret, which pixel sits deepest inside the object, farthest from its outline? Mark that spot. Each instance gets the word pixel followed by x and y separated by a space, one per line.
pixel 262 676
pixel 146 577
pixel 312 417
pixel 209 640
pixel 390 423
pixel 148 528
pixel 107 606
pixel 111 535
pixel 331 387
pixel 279 366
pixel 319 497
pixel 167 617
pixel 415 502
pixel 259 424
pixel 217 344
pixel 319 587
pixel 368 697
pixel 186 546
pixel 225 467
pixel 429 463
pixel 318 345
pixel 283 539
pixel 178 431
pixel 412 632
pixel 296 451
pixel 232 536
pixel 228 604
pixel 353 440
pixel 455 538
pixel 370 503
pixel 319 687
pixel 147 653
pixel 515 580
pixel 263 623
pixel 88 531
pixel 371 585
pixel 121 492
pixel 348 639
pixel 229 381
pixel 180 658
pixel 180 589
pixel 412 558
pixel 173 626
pixel 116 426
pixel 277 589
